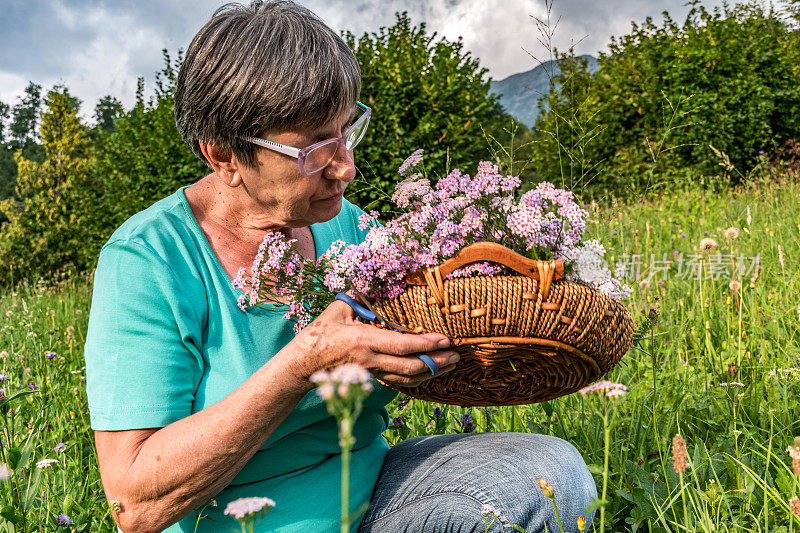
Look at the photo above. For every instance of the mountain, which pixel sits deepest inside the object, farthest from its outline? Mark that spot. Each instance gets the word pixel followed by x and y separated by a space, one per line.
pixel 520 92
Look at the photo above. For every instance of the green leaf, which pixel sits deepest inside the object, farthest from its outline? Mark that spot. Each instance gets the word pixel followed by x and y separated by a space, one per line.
pixel 9 513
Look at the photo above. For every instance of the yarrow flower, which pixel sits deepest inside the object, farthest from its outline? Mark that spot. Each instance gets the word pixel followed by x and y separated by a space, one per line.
pixel 794 505
pixel 437 220
pixel 244 507
pixel 5 472
pixel 487 510
pixel 59 447
pixel 46 463
pixel 609 388
pixel 341 381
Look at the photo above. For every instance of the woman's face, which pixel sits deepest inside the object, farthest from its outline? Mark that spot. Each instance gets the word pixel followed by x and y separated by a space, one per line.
pixel 290 198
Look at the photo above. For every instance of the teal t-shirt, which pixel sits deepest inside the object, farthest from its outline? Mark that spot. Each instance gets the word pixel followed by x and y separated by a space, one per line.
pixel 166 339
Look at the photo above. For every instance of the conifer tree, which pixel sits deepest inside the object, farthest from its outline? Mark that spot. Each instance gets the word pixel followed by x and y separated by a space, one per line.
pixel 46 229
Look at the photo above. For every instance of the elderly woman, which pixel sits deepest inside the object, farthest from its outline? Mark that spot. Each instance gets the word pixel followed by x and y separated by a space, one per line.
pixel 192 399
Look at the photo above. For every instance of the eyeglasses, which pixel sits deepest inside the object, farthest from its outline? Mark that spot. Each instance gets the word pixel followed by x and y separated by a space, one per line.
pixel 319 155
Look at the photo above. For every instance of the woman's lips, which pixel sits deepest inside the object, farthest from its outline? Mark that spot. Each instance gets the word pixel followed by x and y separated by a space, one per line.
pixel 333 198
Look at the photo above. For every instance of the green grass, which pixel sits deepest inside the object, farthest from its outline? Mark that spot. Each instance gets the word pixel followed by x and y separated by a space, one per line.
pixel 740 477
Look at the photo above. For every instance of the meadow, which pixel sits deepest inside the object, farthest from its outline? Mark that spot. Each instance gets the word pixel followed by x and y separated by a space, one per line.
pixel 720 367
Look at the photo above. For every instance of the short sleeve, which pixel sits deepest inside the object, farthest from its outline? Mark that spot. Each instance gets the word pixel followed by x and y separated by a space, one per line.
pixel 143 366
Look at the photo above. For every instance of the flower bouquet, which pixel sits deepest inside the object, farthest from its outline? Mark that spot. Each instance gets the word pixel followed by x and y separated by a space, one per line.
pixel 532 310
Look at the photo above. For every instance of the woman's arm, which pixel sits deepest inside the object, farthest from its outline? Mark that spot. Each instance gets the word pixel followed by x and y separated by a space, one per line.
pixel 160 475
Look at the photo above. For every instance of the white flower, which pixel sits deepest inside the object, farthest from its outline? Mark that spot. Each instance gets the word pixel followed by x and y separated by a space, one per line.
pixel 46 463
pixel 243 507
pixel 489 510
pixel 5 472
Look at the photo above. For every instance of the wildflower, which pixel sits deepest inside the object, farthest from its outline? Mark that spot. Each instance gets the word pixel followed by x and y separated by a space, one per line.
pixel 340 380
pixel 467 425
pixel 5 472
pixel 59 447
pixel 70 332
pixel 3 354
pixel 33 386
pixel 615 392
pixel 603 386
pixel 3 377
pixel 487 510
pixel 794 453
pixel 734 285
pixel 9 313
pixel 437 413
pixel 581 523
pixel 64 520
pixel 679 454
pixel 731 233
pixel 707 244
pixel 411 161
pixel 244 507
pixel 46 463
pixel 50 355
pixel 547 489
pixel 398 421
pixel 114 506
pixel 749 218
pixel 781 256
pixel 794 505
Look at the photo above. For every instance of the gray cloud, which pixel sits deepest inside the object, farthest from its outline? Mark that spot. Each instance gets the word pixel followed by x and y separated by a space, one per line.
pixel 101 47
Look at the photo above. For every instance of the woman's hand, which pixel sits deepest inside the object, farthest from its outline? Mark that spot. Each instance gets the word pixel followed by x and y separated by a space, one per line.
pixel 336 338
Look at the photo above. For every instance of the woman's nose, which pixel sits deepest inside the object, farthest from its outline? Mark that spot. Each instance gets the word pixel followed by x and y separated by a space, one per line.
pixel 343 166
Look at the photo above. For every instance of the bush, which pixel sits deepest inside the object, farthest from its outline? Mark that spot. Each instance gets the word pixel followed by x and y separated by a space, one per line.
pixel 664 94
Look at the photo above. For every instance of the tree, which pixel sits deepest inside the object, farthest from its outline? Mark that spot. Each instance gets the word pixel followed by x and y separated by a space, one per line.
pixel 25 117
pixel 106 112
pixel 144 158
pixel 46 230
pixel 424 93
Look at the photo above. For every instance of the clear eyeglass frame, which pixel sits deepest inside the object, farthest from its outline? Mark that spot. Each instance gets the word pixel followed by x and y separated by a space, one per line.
pixel 317 156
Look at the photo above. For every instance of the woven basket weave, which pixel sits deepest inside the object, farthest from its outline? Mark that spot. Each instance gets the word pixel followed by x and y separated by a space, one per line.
pixel 521 340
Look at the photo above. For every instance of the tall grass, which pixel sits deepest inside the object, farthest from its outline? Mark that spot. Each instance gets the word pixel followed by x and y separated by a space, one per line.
pixel 683 378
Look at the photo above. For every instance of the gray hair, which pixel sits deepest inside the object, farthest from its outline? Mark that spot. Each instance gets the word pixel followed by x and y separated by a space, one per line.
pixel 269 67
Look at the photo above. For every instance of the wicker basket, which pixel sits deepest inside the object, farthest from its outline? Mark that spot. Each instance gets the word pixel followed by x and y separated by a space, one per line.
pixel 522 339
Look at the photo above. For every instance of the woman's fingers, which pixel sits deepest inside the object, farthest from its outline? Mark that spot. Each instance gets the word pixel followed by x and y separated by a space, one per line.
pixel 408 365
pixel 394 343
pixel 416 380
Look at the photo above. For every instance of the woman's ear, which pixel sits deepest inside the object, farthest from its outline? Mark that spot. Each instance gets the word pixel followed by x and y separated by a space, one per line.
pixel 224 163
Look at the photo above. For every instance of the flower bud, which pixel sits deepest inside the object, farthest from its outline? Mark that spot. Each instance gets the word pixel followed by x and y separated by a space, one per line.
pixel 547 489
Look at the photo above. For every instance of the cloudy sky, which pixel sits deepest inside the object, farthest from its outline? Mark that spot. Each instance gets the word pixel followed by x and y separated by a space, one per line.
pixel 101 47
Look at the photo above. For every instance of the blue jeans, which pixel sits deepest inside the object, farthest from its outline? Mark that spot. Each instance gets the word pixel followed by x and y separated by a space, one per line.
pixel 440 483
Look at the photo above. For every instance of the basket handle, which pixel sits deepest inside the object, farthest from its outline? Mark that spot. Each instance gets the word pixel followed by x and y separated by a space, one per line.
pixel 544 271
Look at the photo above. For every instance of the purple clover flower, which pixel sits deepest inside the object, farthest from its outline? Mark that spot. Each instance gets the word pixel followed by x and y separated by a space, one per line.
pixel 467 424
